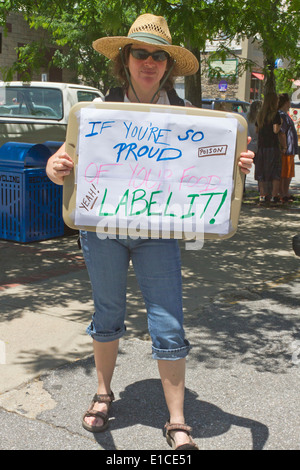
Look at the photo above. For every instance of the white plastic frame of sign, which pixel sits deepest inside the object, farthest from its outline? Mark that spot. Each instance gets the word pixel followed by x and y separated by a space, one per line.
pixel 93 198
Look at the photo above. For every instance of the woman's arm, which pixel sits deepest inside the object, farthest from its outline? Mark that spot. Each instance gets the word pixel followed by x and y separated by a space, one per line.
pixel 276 128
pixel 282 141
pixel 246 160
pixel 59 165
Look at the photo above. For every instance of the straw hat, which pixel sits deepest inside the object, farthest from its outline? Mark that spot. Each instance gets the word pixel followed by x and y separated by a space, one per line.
pixel 150 29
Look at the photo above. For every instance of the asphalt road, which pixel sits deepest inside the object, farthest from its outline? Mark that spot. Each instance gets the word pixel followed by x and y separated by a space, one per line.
pixel 241 302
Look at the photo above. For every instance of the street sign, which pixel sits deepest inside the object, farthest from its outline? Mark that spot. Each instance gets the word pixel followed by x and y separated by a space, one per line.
pixel 223 85
pixel 278 64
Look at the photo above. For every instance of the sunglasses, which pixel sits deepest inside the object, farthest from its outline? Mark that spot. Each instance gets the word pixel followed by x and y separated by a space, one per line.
pixel 142 54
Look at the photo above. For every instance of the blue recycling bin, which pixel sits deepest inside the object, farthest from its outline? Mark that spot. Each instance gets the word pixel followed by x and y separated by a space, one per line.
pixel 30 204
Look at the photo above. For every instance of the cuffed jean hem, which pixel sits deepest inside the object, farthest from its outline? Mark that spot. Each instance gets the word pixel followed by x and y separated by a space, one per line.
pixel 104 337
pixel 171 354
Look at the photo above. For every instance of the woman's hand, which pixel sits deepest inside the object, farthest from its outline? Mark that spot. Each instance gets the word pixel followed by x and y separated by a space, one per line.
pixel 246 160
pixel 59 165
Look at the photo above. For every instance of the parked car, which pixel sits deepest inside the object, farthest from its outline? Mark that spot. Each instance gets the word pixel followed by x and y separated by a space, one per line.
pixel 232 106
pixel 36 112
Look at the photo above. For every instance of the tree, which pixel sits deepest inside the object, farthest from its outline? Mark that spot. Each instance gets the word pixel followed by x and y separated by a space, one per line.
pixel 71 28
pixel 73 25
pixel 275 24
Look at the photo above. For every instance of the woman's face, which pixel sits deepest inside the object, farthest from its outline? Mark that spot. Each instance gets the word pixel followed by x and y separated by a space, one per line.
pixel 146 74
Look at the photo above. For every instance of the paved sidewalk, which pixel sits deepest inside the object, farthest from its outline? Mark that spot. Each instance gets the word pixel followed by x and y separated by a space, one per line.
pixel 241 301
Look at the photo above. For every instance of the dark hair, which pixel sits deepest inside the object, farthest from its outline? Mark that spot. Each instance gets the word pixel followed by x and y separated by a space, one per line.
pixel 119 72
pixel 268 110
pixel 283 98
pixel 254 109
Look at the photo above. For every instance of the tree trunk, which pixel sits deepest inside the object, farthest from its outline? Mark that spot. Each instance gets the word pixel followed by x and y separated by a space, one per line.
pixel 270 83
pixel 193 91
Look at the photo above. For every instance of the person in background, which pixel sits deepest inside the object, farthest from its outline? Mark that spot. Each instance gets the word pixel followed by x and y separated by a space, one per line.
pixel 289 147
pixel 146 62
pixel 268 157
pixel 251 117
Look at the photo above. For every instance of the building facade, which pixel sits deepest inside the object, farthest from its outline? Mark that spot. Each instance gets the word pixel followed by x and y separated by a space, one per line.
pixel 245 85
pixel 18 33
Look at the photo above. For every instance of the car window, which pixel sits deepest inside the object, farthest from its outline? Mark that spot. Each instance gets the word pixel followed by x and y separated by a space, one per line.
pixel 223 106
pixel 31 102
pixel 232 107
pixel 229 106
pixel 206 105
pixel 244 108
pixel 83 95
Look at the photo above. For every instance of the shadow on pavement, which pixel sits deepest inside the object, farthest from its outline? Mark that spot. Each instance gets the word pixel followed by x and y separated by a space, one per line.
pixel 50 277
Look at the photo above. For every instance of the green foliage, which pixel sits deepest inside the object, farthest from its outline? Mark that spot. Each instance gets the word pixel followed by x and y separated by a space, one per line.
pixel 285 77
pixel 274 24
pixel 73 25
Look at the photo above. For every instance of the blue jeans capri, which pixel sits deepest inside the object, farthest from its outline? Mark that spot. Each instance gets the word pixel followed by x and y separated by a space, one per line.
pixel 157 266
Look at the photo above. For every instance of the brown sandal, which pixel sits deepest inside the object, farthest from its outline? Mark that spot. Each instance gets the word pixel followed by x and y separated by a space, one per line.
pixel 179 427
pixel 98 414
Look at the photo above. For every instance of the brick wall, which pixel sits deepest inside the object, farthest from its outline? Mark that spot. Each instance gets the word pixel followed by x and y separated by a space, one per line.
pixel 19 32
pixel 210 89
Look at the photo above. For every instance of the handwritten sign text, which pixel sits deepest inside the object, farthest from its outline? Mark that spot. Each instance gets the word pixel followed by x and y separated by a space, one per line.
pixel 154 168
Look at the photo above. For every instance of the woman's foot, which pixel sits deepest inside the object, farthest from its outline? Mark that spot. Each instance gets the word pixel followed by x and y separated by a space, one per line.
pixel 96 417
pixel 275 200
pixel 178 436
pixel 94 421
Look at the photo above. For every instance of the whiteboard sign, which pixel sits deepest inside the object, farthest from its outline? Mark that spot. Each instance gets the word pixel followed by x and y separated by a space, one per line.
pixel 164 172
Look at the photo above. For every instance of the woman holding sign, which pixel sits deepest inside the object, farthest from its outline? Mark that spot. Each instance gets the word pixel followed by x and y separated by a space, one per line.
pixel 146 62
